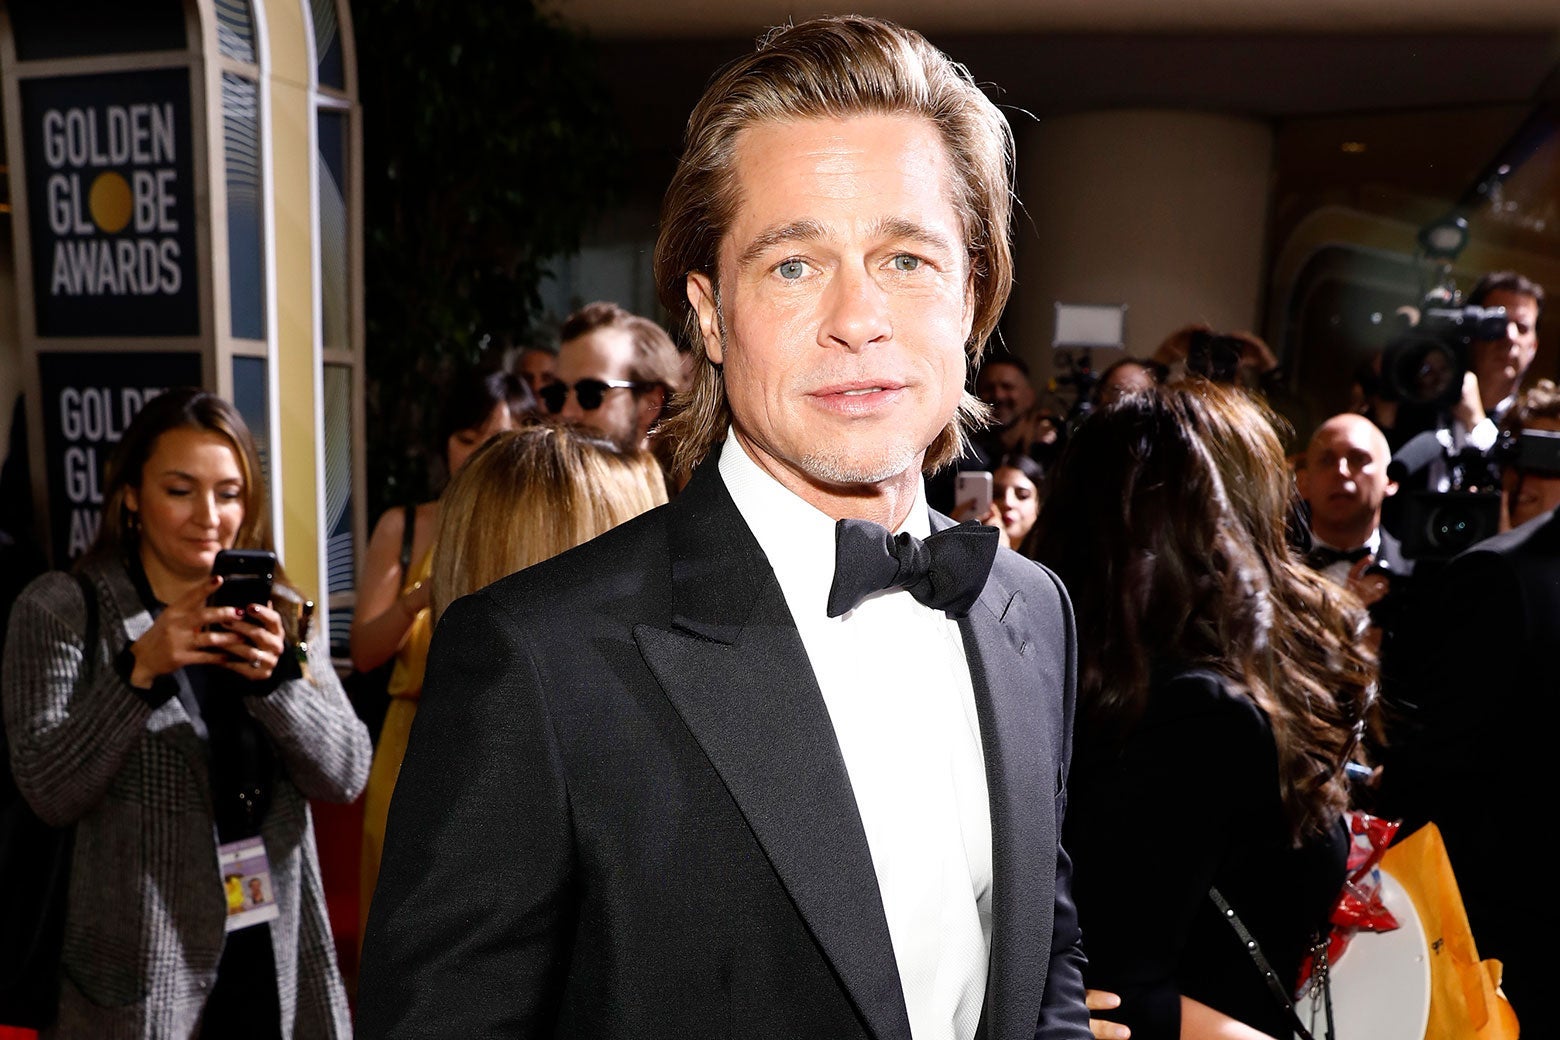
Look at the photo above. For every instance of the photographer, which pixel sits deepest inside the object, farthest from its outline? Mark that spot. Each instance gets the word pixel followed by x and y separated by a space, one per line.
pixel 1497 366
pixel 1457 369
pixel 1531 489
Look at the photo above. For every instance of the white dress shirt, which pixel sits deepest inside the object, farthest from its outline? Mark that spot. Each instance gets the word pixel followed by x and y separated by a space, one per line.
pixel 897 687
pixel 1339 570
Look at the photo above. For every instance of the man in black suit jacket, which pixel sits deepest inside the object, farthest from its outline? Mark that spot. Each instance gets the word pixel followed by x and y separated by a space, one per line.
pixel 1478 762
pixel 695 779
pixel 1344 482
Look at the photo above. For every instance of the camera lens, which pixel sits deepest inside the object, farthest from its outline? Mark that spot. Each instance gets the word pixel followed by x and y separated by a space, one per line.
pixel 1452 528
pixel 1420 369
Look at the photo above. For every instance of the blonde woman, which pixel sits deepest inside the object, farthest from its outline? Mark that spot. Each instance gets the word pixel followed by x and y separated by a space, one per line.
pixel 530 494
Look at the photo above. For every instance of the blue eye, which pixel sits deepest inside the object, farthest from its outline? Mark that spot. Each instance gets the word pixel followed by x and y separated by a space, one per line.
pixel 906 262
pixel 791 270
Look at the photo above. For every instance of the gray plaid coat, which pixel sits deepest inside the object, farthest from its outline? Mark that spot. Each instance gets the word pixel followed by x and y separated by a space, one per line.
pixel 144 923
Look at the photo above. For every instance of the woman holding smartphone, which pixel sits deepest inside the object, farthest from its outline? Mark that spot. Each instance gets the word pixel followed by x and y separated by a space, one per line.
pixel 183 744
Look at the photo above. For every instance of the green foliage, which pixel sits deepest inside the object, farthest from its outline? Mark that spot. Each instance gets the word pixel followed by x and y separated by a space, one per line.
pixel 489 146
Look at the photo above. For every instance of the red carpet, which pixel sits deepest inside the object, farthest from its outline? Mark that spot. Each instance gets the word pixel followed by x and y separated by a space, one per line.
pixel 338 829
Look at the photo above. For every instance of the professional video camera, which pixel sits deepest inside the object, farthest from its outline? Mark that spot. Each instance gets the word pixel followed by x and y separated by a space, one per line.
pixel 1077 373
pixel 1449 500
pixel 1436 525
pixel 1424 366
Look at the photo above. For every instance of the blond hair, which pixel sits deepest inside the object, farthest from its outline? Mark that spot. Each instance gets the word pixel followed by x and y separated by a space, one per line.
pixel 832 68
pixel 529 494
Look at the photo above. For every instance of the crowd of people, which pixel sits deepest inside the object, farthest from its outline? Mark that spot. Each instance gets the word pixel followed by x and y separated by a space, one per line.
pixel 704 719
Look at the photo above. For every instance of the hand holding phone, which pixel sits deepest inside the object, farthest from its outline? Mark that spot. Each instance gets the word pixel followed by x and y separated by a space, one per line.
pixel 246 576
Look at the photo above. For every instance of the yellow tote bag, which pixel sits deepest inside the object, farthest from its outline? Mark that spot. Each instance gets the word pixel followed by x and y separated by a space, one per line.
pixel 1466 1002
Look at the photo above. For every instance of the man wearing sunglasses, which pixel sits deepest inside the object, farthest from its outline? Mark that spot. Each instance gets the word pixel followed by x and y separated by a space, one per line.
pixel 749 764
pixel 615 373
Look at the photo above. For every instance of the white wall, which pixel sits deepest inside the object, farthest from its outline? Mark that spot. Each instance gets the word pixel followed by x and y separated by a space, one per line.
pixel 1162 211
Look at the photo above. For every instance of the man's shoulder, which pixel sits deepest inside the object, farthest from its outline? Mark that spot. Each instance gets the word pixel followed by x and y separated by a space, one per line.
pixel 1019 573
pixel 1535 542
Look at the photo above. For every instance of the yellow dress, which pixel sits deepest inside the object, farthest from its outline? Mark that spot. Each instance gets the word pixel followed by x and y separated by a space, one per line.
pixel 406 680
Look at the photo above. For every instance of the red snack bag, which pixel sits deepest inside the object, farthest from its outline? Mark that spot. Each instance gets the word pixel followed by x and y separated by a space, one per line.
pixel 1359 906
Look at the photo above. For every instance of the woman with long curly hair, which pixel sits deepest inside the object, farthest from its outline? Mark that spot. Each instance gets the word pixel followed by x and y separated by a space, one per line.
pixel 1222 690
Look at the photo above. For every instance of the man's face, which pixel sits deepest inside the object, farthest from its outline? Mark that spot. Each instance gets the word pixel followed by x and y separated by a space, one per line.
pixel 1500 364
pixel 1529 493
pixel 845 300
pixel 536 367
pixel 624 415
pixel 1345 475
pixel 1006 389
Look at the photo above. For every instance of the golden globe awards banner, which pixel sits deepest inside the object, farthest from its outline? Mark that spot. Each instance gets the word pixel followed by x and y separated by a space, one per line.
pixel 111 204
pixel 88 400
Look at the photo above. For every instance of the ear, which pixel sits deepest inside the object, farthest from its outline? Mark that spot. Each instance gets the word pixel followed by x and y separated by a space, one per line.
pixel 651 404
pixel 701 296
pixel 132 499
pixel 1392 487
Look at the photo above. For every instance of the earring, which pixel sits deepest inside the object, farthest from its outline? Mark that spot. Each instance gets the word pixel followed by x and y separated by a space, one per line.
pixel 133 521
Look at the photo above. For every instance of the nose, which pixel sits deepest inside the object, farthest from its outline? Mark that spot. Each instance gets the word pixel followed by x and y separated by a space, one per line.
pixel 856 311
pixel 572 412
pixel 206 509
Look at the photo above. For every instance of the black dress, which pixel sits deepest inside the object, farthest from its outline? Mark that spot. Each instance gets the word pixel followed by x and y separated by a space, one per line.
pixel 1188 800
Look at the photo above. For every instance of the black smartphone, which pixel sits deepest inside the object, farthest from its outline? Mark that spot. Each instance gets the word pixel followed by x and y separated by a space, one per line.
pixel 246 577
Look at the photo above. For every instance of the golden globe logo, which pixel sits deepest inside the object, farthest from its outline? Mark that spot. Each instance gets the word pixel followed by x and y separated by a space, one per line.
pixel 113 175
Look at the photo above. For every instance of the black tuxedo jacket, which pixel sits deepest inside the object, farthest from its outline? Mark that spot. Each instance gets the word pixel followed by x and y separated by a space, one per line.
pixel 1390 559
pixel 623 811
pixel 1482 659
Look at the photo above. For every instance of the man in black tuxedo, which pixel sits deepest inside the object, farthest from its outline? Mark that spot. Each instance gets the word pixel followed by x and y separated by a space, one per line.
pixel 1479 762
pixel 1344 482
pixel 749 765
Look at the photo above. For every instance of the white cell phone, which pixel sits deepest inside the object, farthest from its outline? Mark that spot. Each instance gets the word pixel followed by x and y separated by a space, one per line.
pixel 973 486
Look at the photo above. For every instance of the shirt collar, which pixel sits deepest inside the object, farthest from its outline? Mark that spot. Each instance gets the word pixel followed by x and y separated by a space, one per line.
pixel 1373 544
pixel 796 536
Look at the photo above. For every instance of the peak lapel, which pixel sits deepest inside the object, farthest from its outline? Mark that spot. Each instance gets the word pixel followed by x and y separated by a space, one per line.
pixel 734 667
pixel 1011 684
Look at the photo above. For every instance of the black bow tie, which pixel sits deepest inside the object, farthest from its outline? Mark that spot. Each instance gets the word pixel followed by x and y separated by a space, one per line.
pixel 945 572
pixel 1324 556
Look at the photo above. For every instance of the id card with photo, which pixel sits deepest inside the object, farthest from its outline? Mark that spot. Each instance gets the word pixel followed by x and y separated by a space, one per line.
pixel 246 882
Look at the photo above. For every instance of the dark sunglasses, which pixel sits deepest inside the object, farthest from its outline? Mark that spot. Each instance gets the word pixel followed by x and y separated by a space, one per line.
pixel 589 392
